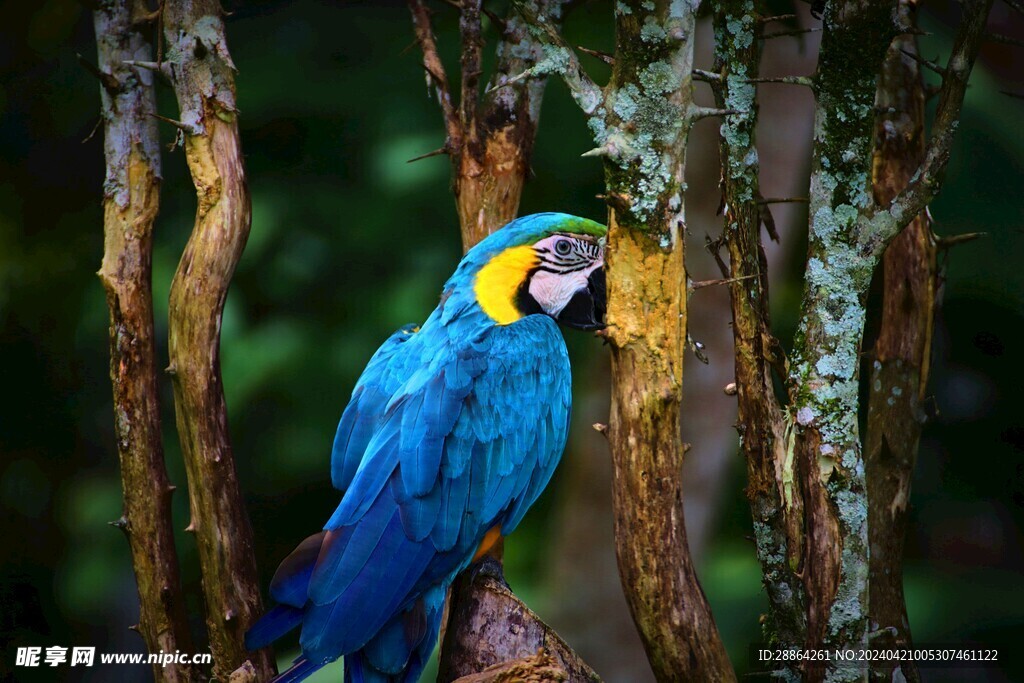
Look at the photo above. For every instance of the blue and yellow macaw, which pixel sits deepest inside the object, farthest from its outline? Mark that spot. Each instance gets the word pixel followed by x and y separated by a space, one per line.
pixel 452 432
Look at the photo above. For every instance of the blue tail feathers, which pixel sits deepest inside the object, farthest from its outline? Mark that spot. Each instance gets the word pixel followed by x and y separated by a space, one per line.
pixel 272 625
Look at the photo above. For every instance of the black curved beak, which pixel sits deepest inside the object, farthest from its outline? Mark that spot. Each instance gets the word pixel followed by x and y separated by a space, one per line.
pixel 586 309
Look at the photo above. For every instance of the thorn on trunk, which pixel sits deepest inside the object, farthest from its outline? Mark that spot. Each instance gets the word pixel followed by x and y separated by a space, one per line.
pixel 183 127
pixel 928 64
pixel 794 32
pixel 806 81
pixel 601 428
pixel 160 68
pixel 436 152
pixel 701 284
pixel 121 523
pixel 957 240
pixel 697 113
pixel 107 80
pixel 777 17
pixel 1005 40
pixel 730 389
pixel 135 627
pixel 171 370
pixel 191 528
pixel 603 56
pixel 687 447
pixel 706 76
pixel 619 201
pixel 229 615
pixel 783 200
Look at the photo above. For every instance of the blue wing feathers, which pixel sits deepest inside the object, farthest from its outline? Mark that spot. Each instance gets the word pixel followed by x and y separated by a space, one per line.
pixel 448 434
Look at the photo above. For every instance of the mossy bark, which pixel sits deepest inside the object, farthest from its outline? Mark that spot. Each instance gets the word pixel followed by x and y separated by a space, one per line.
pixel 641 129
pixel 776 502
pixel 203 78
pixel 130 203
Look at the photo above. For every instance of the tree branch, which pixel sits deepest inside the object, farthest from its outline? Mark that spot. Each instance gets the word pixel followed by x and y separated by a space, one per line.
pixel 776 504
pixel 490 627
pixel 489 171
pixel 927 181
pixel 130 203
pixel 901 354
pixel 435 72
pixel 559 58
pixel 635 124
pixel 205 89
pixel 472 43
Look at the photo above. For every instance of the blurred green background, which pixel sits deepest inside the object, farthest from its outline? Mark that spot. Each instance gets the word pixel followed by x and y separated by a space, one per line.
pixel 348 242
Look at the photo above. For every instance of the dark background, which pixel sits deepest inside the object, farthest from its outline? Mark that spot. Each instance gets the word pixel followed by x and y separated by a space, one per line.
pixel 349 241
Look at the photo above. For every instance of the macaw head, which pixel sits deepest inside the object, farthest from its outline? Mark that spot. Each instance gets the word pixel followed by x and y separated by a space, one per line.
pixel 549 263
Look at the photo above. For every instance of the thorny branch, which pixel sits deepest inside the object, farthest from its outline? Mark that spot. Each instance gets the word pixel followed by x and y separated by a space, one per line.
pixel 130 204
pixel 204 84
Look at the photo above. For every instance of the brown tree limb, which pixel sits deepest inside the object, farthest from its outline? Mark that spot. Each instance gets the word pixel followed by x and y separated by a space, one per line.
pixel 927 180
pixel 130 203
pixel 203 80
pixel 901 355
pixel 765 430
pixel 635 121
pixel 436 76
pixel 491 632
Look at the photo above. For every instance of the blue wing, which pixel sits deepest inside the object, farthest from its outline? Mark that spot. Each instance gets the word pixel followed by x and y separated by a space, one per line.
pixel 467 441
pixel 381 377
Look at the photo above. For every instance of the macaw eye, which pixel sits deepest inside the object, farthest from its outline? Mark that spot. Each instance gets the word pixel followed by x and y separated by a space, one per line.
pixel 562 247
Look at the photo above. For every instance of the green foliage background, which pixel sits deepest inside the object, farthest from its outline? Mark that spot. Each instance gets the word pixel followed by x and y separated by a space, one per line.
pixel 348 242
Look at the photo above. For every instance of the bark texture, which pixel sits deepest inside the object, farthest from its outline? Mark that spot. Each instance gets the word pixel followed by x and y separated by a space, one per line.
pixel 808 487
pixel 642 130
pixel 901 354
pixel 492 632
pixel 130 203
pixel 776 502
pixel 489 137
pixel 202 74
pixel 640 122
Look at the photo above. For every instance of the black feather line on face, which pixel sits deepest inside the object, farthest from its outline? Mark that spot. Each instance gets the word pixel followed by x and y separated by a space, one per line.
pixel 525 302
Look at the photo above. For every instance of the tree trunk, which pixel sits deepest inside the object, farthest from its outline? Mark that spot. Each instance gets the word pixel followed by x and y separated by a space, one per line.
pixel 202 73
pixel 765 435
pixel 130 203
pixel 901 355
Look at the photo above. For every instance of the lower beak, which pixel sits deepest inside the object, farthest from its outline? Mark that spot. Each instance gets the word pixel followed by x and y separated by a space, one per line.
pixel 586 309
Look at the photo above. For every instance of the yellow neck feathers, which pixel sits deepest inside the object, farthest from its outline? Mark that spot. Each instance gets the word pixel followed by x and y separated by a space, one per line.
pixel 497 282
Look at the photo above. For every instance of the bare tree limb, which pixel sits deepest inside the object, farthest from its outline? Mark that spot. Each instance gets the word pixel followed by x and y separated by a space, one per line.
pixel 559 59
pixel 765 430
pixel 205 89
pixel 490 627
pixel 902 352
pixel 130 204
pixel 926 182
pixel 436 76
pixel 472 44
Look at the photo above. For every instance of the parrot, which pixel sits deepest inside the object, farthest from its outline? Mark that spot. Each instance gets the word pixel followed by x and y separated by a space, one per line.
pixel 452 432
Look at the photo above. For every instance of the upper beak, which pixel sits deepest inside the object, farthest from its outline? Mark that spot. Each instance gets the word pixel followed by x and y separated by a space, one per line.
pixel 586 309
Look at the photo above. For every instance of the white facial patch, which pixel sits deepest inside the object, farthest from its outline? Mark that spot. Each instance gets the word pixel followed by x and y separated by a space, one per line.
pixel 566 263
